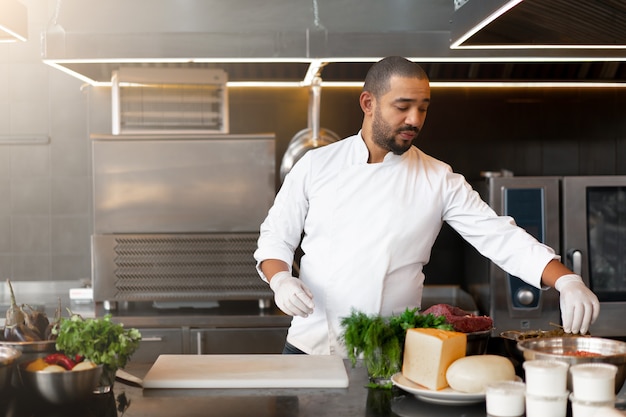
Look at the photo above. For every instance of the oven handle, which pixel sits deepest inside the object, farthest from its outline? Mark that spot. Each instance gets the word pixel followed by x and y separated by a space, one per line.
pixel 576 258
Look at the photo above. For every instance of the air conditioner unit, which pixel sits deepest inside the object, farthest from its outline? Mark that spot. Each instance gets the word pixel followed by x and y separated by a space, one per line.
pixel 169 100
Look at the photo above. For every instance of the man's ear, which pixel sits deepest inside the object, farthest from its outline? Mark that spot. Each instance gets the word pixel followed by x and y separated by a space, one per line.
pixel 367 102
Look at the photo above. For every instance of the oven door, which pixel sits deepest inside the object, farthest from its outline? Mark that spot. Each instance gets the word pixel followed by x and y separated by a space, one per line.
pixel 594 243
pixel 534 204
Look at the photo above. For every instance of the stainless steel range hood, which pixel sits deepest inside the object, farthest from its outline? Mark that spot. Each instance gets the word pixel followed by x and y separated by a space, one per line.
pixel 276 40
pixel 554 24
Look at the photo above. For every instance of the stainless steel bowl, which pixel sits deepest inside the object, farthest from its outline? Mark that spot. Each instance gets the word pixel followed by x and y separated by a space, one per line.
pixel 8 360
pixel 31 350
pixel 563 349
pixel 61 387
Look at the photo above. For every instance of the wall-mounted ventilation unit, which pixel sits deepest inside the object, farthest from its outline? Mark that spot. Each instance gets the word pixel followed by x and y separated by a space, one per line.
pixel 169 100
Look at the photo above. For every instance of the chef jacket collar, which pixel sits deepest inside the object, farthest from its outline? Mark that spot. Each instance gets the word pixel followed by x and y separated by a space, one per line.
pixel 362 153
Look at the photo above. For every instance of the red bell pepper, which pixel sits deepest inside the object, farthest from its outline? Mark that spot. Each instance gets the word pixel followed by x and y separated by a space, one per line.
pixel 61 360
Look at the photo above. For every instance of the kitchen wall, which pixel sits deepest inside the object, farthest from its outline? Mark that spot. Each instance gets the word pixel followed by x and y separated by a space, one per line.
pixel 45 189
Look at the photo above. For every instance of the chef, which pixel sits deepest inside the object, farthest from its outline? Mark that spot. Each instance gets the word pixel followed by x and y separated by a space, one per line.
pixel 366 211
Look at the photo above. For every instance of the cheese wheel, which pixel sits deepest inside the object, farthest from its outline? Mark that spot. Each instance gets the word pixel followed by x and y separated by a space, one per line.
pixel 428 353
pixel 472 373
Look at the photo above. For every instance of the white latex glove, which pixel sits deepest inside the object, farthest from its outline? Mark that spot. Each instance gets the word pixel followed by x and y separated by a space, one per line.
pixel 579 305
pixel 291 295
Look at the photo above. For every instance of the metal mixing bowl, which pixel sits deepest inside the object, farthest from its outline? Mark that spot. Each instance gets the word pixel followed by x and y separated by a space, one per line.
pixel 61 387
pixel 563 349
pixel 31 350
pixel 8 360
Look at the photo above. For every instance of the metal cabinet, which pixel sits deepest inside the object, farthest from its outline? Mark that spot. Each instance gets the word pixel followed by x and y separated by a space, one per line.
pixel 186 340
pixel 157 341
pixel 238 340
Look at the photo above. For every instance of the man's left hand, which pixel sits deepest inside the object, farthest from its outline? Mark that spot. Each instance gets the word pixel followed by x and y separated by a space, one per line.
pixel 579 305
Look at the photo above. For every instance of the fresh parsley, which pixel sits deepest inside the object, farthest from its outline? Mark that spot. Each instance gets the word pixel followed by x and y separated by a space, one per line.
pixel 99 340
pixel 380 340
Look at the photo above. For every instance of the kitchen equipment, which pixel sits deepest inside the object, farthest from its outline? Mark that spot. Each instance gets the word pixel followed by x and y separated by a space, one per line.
pixel 169 100
pixel 564 349
pixel 310 138
pixel 8 360
pixel 247 371
pixel 176 218
pixel 30 350
pixel 61 387
pixel 584 220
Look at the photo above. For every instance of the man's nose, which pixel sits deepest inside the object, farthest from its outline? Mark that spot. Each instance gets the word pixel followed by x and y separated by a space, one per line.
pixel 414 118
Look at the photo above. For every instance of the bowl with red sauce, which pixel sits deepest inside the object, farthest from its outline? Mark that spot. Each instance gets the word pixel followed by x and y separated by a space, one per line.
pixel 575 350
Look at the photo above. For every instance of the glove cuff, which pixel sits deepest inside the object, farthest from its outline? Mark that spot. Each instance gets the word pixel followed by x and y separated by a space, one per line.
pixel 278 278
pixel 566 279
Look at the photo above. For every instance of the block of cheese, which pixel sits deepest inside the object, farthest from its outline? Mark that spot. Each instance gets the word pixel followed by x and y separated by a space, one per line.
pixel 428 353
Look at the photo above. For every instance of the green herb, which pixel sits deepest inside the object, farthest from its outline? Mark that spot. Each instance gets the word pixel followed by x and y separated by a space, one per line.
pixel 99 340
pixel 380 340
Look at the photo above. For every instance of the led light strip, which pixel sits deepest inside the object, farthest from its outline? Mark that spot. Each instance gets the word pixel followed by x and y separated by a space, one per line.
pixel 315 65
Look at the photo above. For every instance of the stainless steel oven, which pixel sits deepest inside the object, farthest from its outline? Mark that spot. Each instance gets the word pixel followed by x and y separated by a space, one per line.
pixel 584 220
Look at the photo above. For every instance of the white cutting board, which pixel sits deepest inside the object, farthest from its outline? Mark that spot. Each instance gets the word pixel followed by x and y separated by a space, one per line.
pixel 247 371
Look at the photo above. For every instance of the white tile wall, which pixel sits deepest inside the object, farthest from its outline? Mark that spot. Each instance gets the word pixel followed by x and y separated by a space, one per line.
pixel 45 189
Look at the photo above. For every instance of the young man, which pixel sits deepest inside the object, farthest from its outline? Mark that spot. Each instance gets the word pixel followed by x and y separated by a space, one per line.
pixel 368 210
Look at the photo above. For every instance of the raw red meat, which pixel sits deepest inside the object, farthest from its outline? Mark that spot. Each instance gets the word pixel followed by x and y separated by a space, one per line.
pixel 461 320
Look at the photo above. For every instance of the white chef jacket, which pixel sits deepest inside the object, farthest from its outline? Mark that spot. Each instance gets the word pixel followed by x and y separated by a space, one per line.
pixel 368 229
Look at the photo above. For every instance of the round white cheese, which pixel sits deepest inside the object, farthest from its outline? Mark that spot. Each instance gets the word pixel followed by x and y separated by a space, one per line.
pixel 472 373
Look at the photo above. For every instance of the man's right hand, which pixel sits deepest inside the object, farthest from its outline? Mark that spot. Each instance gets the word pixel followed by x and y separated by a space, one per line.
pixel 291 295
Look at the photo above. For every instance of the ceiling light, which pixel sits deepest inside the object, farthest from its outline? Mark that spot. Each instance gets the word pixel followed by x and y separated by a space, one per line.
pixel 13 21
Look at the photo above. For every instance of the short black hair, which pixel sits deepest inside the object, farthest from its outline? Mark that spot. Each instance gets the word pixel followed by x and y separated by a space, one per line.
pixel 378 76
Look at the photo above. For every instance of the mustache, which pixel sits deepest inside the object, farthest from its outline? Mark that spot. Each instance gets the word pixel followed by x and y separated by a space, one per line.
pixel 409 129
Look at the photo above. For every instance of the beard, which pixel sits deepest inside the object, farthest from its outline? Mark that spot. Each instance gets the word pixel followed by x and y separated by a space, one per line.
pixel 384 135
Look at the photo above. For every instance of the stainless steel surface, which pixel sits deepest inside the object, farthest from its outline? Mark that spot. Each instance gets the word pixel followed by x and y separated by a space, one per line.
pixel 44 296
pixel 561 349
pixel 257 340
pixel 578 235
pixel 310 138
pixel 204 33
pixel 176 267
pixel 174 184
pixel 512 308
pixel 554 23
pixel 158 341
pixel 169 100
pixel 61 388
pixel 8 360
pixel 30 350
pixel 176 218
